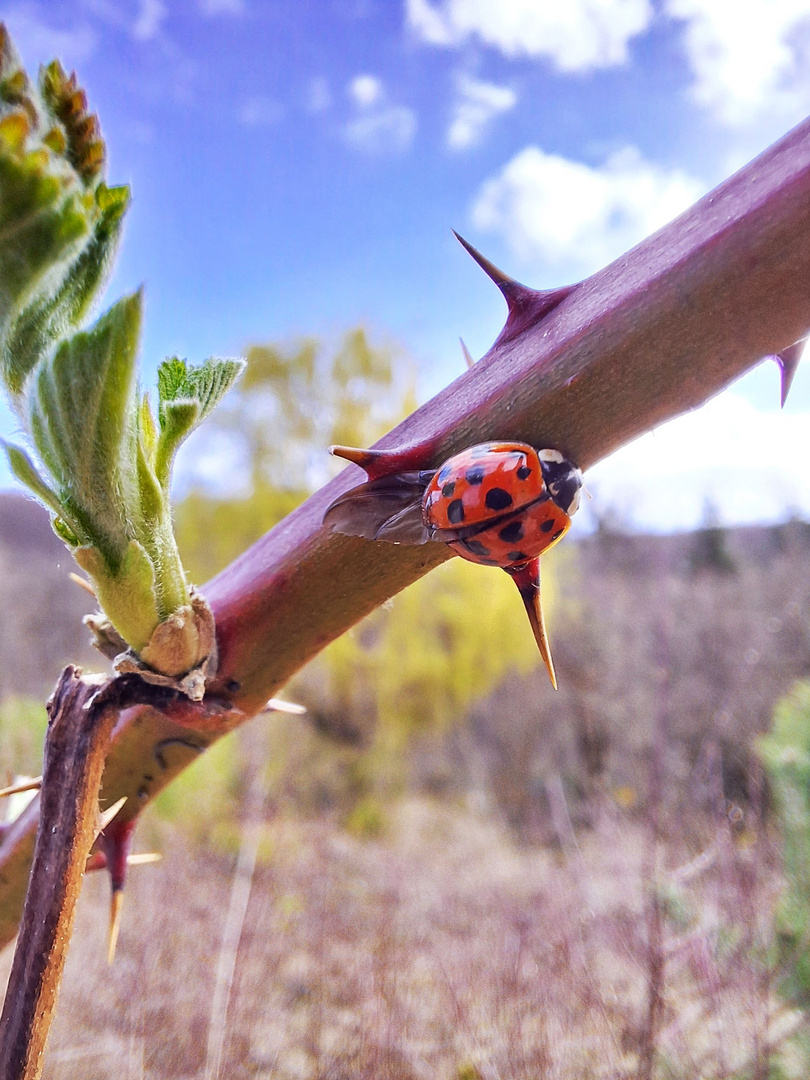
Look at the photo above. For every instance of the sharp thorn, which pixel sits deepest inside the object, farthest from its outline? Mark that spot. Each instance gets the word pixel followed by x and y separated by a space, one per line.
pixel 83 583
pixel 24 785
pixel 466 352
pixel 377 463
pixel 277 705
pixel 144 858
pixel 116 903
pixel 527 579
pixel 356 455
pixel 106 816
pixel 502 280
pixel 788 361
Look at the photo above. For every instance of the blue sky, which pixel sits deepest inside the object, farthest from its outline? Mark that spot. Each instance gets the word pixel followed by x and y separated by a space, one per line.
pixel 297 167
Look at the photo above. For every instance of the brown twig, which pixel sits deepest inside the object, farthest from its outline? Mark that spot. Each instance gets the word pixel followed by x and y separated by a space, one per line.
pixel 82 711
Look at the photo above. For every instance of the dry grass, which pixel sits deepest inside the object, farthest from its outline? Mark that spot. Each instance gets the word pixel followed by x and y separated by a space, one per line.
pixel 441 951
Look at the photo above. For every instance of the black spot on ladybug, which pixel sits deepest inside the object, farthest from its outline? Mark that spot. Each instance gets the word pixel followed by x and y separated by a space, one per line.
pixel 448 489
pixel 547 526
pixel 558 534
pixel 455 512
pixel 476 547
pixel 518 556
pixel 512 532
pixel 524 472
pixel 233 686
pixel 475 475
pixel 498 499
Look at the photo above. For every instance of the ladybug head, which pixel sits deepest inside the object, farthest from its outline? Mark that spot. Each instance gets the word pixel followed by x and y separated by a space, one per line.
pixel 562 479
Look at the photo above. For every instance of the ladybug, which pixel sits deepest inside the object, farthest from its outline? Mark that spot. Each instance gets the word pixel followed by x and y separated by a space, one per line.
pixel 497 504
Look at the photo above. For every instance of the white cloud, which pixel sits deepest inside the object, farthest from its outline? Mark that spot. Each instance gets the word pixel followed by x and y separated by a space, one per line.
pixel 563 212
pixel 745 460
pixel 150 17
pixel 39 42
pixel 366 90
pixel 389 129
pixel 750 58
pixel 577 35
pixel 260 112
pixel 378 126
pixel 477 103
pixel 222 7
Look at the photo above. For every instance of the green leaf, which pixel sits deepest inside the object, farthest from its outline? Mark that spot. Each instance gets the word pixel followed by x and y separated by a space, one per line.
pixel 206 384
pixel 59 223
pixel 186 396
pixel 178 420
pixel 83 418
pixel 61 301
pixel 25 471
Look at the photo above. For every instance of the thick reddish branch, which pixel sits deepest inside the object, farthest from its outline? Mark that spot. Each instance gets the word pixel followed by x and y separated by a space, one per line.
pixel 656 333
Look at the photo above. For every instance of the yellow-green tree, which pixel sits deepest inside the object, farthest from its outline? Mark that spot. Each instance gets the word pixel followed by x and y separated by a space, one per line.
pixel 414 666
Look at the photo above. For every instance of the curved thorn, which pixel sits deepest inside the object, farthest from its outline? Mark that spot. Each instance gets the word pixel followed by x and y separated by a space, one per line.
pixel 501 279
pixel 379 463
pixel 107 815
pixel 356 455
pixel 466 352
pixel 527 579
pixel 788 361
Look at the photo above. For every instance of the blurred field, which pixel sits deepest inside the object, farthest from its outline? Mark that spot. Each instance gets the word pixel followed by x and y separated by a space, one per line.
pixel 528 885
pixel 443 951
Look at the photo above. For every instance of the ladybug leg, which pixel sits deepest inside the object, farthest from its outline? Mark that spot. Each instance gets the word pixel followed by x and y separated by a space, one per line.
pixel 527 578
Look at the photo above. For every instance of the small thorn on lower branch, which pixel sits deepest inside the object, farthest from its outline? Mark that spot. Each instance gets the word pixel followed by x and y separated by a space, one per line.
pixel 106 816
pixel 277 705
pixel 83 583
pixel 28 784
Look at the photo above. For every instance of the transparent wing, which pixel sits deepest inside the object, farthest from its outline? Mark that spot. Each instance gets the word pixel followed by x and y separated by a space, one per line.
pixel 388 509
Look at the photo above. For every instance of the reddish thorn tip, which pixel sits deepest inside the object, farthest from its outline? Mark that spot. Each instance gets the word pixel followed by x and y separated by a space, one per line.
pixel 502 280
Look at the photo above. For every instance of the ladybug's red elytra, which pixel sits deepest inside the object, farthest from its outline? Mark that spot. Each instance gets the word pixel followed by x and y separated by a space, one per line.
pixel 498 504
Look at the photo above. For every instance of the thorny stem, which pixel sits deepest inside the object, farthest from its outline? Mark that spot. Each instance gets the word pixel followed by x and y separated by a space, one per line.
pixel 81 717
pixel 656 333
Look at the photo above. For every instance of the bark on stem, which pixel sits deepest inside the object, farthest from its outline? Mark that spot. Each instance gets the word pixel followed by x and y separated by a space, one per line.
pixel 82 712
pixel 75 749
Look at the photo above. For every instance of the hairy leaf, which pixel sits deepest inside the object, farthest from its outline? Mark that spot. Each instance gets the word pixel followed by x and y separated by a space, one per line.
pixel 83 417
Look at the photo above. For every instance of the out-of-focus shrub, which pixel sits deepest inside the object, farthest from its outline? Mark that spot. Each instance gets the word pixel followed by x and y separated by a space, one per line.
pixel 264 451
pixel 414 666
pixel 22 732
pixel 786 754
